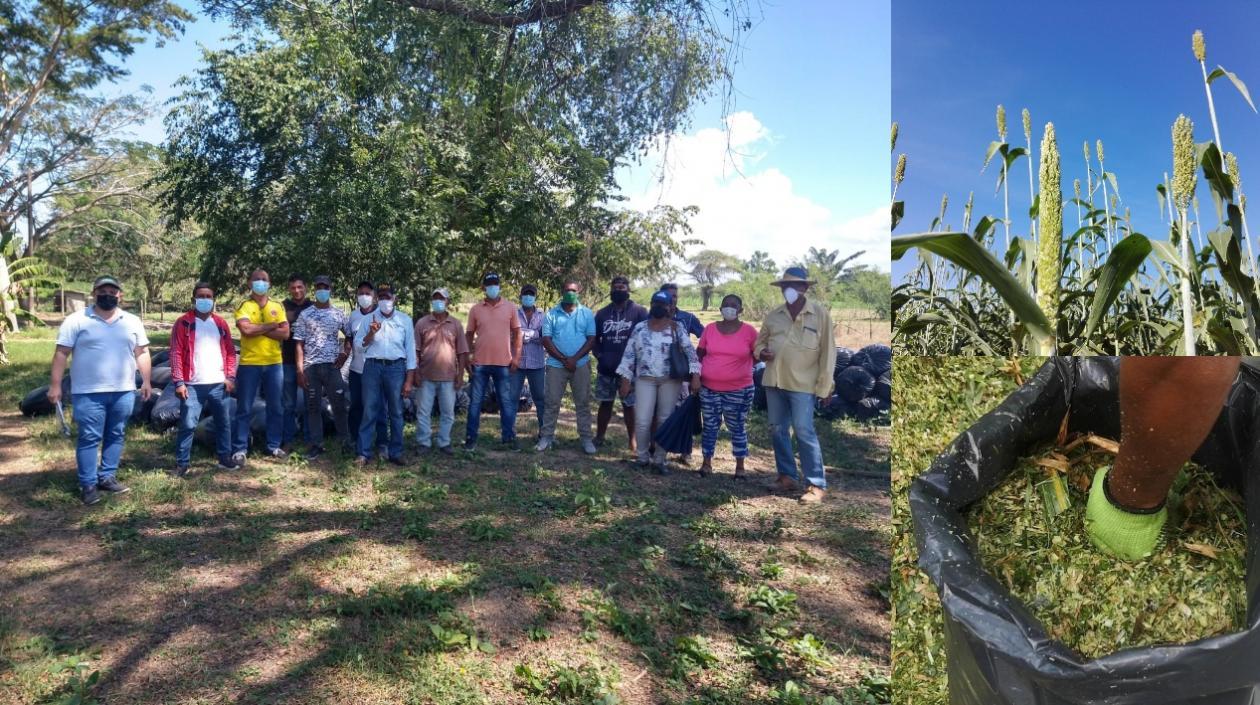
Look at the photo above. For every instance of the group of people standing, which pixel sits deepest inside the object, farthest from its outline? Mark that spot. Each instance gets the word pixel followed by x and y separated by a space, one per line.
pixel 295 354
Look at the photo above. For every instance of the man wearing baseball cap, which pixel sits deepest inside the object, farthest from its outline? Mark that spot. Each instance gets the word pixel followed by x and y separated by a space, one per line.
pixel 389 351
pixel 105 346
pixel 494 337
pixel 319 355
pixel 442 355
pixel 797 346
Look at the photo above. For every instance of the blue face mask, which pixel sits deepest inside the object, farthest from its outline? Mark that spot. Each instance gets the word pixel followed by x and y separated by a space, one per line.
pixel 323 295
pixel 438 306
pixel 492 291
pixel 260 287
pixel 204 305
pixel 527 300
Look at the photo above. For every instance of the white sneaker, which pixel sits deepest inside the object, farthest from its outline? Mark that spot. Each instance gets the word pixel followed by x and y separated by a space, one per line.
pixel 239 459
pixel 543 445
pixel 588 447
pixel 278 454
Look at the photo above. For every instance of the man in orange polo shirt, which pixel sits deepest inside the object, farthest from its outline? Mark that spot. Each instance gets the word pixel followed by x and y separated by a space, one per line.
pixel 494 337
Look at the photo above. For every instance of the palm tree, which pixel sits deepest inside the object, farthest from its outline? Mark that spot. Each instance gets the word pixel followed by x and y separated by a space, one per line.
pixel 760 263
pixel 17 275
pixel 709 268
pixel 828 265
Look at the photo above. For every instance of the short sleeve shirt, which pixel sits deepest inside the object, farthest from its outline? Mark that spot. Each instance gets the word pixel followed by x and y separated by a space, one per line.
pixel 568 331
pixel 439 345
pixel 492 326
pixel 292 309
pixel 318 328
pixel 352 327
pixel 728 361
pixel 102 355
pixel 259 349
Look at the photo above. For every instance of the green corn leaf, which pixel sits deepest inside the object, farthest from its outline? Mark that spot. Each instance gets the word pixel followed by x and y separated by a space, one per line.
pixel 1214 171
pixel 1123 262
pixel 1234 79
pixel 994 147
pixel 965 252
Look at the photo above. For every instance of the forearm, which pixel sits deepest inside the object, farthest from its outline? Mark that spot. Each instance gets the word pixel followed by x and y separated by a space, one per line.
pixel 300 355
pixel 280 334
pixel 551 349
pixel 251 328
pixel 590 343
pixel 58 367
pixel 144 364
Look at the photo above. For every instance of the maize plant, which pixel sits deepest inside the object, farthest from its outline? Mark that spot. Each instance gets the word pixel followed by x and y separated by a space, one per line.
pixel 1103 287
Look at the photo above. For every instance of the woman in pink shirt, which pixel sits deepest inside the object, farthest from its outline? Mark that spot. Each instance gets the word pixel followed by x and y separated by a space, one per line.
pixel 726 382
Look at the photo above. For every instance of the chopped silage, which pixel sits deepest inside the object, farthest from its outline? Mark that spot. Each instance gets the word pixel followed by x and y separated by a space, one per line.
pixel 1192 587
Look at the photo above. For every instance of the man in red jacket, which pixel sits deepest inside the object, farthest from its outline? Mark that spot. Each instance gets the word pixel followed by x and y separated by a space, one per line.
pixel 203 374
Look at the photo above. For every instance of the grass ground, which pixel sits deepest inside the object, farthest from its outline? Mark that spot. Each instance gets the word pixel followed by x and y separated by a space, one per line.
pixel 936 399
pixel 495 577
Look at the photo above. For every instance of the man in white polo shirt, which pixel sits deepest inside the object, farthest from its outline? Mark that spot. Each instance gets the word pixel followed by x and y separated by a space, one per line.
pixel 105 345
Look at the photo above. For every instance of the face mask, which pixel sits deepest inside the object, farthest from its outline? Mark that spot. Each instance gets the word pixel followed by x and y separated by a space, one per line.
pixel 323 295
pixel 620 297
pixel 438 306
pixel 260 287
pixel 204 305
pixel 791 295
pixel 729 314
pixel 107 302
pixel 528 300
pixel 492 291
pixel 659 311
pixel 387 306
pixel 569 297
pixel 365 301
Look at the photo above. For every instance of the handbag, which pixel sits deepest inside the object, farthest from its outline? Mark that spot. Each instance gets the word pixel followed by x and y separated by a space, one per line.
pixel 679 365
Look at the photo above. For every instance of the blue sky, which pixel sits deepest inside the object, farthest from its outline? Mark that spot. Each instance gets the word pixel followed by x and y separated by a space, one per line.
pixel 809 120
pixel 1118 72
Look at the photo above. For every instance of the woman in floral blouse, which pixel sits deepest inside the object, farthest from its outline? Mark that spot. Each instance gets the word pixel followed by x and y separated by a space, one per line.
pixel 646 363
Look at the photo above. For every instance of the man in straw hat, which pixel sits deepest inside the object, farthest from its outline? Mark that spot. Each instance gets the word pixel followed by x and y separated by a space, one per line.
pixel 796 344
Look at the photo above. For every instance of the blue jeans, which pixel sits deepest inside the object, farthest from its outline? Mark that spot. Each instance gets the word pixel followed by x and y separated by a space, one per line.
pixel 445 394
pixel 536 384
pixel 211 397
pixel 382 389
pixel 788 412
pixel 294 407
pixel 250 379
pixel 507 406
pixel 102 421
pixel 356 413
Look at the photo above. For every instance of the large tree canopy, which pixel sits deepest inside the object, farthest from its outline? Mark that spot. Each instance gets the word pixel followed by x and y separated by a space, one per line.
pixel 416 143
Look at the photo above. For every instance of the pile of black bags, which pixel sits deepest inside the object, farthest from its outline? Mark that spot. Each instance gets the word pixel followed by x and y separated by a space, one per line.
pixel 863 383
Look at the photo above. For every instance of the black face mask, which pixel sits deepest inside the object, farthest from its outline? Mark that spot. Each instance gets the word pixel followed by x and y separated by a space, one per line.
pixel 620 297
pixel 659 311
pixel 106 302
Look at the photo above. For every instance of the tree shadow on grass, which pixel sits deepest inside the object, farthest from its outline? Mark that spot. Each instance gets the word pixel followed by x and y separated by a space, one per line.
pixel 506 535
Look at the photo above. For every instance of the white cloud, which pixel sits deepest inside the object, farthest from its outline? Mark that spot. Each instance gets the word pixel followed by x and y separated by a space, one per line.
pixel 745 205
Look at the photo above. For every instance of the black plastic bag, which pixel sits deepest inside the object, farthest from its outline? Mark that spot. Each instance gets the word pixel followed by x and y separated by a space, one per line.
pixel 854 384
pixel 206 433
pixel 141 409
pixel 165 413
pixel 997 651
pixel 677 433
pixel 160 376
pixel 875 359
pixel 36 403
pixel 759 392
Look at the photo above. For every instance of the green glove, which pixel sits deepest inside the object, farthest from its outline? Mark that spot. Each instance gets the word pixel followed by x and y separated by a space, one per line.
pixel 1118 532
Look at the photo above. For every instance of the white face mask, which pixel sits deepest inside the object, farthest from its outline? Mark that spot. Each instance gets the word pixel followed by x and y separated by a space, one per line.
pixel 365 300
pixel 790 294
pixel 729 314
pixel 387 307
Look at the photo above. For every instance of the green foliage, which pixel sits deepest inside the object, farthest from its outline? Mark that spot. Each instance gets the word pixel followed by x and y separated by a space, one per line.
pixel 483 529
pixel 708 268
pixel 127 235
pixel 424 148
pixel 567 685
pixel 593 498
pixel 692 653
pixel 772 600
